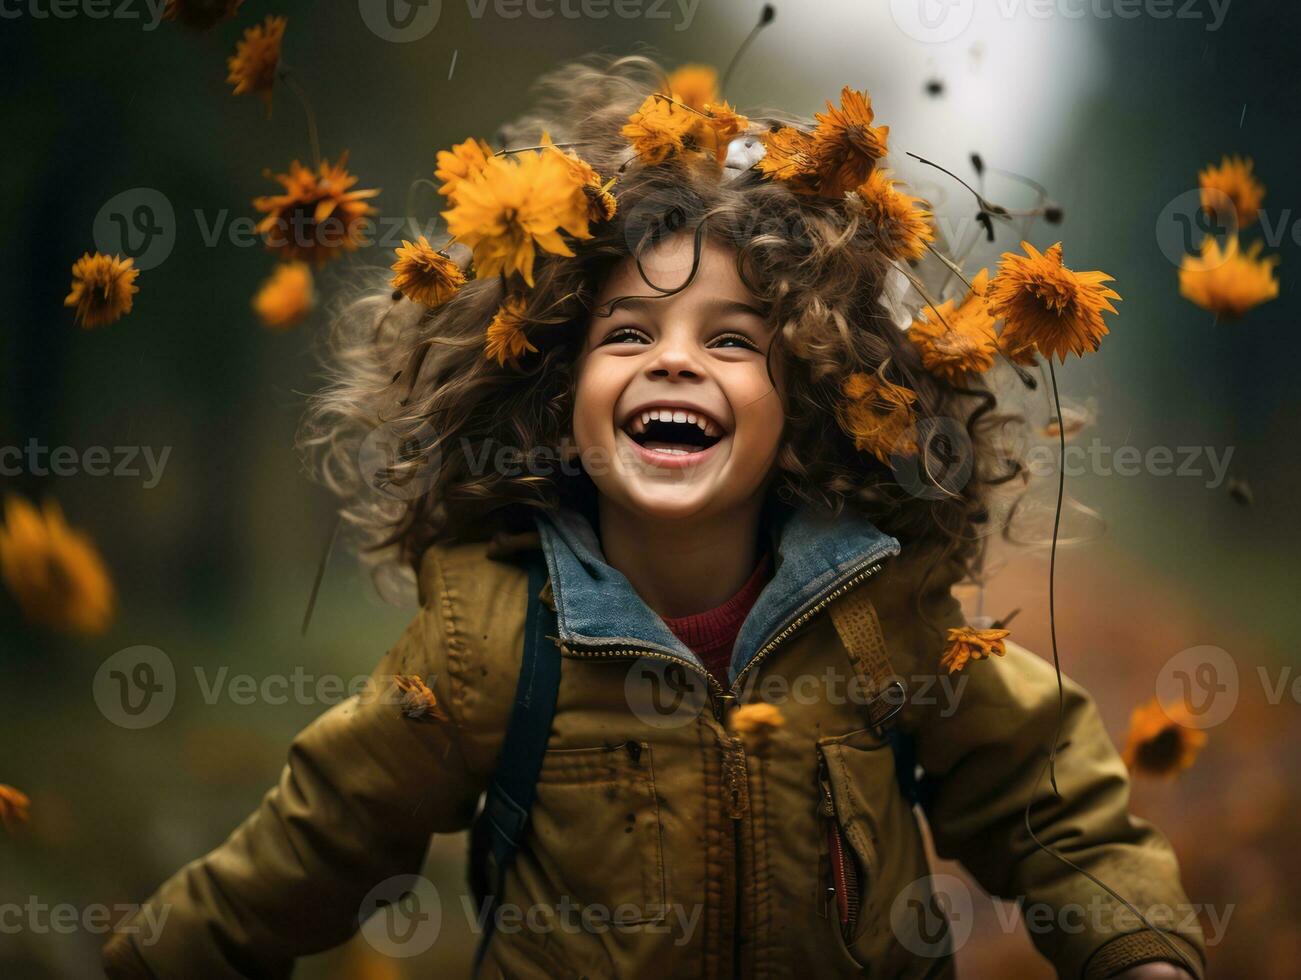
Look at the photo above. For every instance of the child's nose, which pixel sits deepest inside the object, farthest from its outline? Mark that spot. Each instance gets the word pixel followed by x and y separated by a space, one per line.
pixel 674 360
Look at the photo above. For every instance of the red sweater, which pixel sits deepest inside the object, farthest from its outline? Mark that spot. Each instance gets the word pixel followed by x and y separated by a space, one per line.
pixel 712 633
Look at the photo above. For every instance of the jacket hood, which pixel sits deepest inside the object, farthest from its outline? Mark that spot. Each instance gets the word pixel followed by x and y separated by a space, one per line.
pixel 596 605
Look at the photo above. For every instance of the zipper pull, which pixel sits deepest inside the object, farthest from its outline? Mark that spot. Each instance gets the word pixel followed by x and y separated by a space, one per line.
pixel 723 704
pixel 826 805
pixel 736 779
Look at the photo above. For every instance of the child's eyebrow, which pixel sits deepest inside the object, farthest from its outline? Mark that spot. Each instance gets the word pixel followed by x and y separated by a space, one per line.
pixel 718 307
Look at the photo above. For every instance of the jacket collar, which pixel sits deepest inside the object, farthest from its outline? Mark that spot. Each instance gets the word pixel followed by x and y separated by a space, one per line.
pixel 597 606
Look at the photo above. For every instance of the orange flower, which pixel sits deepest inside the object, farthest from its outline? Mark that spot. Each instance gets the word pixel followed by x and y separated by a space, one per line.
pixel 968 643
pixel 659 128
pixel 846 143
pixel 54 572
pixel 717 127
pixel 256 58
pixel 505 339
pixel 1048 306
pixel 425 275
pixel 694 85
pixel 759 718
pixel 1230 192
pixel 318 217
pixel 790 156
pixel 514 205
pixel 1159 742
pixel 1228 282
pixel 957 340
pixel 460 163
pixel 601 204
pixel 878 416
pixel 418 701
pixel 286 298
pixel 102 289
pixel 899 223
pixel 14 806
pixel 201 14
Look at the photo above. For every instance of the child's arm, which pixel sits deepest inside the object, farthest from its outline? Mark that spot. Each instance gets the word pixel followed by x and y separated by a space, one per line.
pixel 985 747
pixel 364 789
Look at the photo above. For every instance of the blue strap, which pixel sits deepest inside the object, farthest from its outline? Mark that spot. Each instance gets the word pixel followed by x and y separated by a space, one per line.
pixel 510 794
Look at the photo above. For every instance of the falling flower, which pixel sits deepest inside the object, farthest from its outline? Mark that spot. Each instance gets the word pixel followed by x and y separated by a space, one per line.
pixel 418 701
pixel 424 275
pixel 256 58
pixel 601 204
pixel 1072 421
pixel 515 205
pixel 694 85
pixel 1226 281
pixel 1230 192
pixel 318 217
pixel 1048 306
pixel 846 143
pixel 758 718
pixel 659 128
pixel 968 643
pixel 715 127
pixel 790 157
pixel 201 14
pixel 54 572
pixel 14 806
pixel 102 289
pixel 459 163
pixel 900 225
pixel 957 340
pixel 878 416
pixel 505 339
pixel 285 298
pixel 1160 742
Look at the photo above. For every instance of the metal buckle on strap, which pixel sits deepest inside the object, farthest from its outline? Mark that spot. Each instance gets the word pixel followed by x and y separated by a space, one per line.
pixel 894 708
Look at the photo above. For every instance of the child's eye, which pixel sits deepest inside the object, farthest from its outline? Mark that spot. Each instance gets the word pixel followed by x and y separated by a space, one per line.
pixel 624 335
pixel 734 340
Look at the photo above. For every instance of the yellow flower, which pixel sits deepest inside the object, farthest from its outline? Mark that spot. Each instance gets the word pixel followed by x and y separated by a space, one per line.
pixel 14 806
pixel 1048 306
pixel 1159 742
pixel 257 56
pixel 505 339
pixel 418 701
pixel 318 217
pixel 694 85
pixel 54 572
pixel 459 163
pixel 968 643
pixel 658 128
pixel 790 156
pixel 846 144
pixel 759 718
pixel 1228 282
pixel 102 289
pixel 957 339
pixel 601 204
pixel 715 128
pixel 1231 192
pixel 425 275
pixel 899 222
pixel 201 14
pixel 285 298
pixel 514 204
pixel 878 416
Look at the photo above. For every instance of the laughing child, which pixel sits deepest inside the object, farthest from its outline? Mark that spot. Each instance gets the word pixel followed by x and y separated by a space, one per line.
pixel 666 454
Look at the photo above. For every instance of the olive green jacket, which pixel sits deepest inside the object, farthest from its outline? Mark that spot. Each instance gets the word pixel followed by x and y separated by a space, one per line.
pixel 710 844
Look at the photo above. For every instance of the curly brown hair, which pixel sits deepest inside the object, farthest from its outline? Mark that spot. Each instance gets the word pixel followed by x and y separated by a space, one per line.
pixel 417 379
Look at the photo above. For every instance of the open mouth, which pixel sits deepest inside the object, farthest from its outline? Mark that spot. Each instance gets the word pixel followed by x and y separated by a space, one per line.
pixel 674 431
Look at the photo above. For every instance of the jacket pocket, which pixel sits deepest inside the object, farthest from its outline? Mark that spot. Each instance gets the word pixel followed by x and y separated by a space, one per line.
pixel 597 823
pixel 855 783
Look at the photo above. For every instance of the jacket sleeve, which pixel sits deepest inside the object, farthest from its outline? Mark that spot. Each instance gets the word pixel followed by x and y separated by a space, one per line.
pixel 363 790
pixel 984 749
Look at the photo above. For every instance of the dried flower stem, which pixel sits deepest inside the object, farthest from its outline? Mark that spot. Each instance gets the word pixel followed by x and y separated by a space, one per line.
pixel 286 75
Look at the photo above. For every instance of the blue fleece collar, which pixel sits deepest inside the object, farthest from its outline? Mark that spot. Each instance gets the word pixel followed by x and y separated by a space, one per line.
pixel 597 606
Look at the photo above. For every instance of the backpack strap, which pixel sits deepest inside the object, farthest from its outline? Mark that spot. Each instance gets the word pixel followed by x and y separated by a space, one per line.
pixel 498 830
pixel 860 633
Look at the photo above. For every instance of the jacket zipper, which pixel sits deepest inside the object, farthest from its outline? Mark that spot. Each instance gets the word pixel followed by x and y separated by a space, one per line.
pixel 846 883
pixel 735 766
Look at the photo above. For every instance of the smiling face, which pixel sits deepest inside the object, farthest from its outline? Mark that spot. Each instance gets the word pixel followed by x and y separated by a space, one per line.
pixel 674 413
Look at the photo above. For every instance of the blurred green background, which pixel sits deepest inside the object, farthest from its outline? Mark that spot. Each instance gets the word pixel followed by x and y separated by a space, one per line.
pixel 1114 114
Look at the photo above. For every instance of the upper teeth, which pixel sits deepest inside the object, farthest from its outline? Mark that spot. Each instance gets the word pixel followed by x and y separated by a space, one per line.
pixel 642 419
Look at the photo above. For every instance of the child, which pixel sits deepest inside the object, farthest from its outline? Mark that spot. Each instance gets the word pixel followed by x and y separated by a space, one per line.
pixel 696 408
